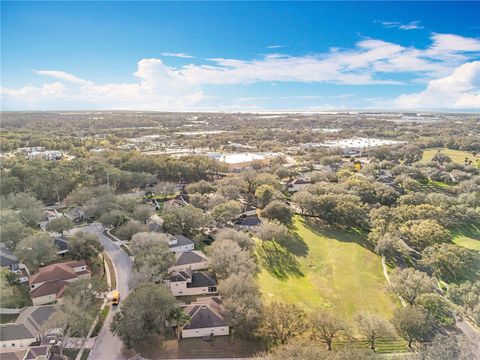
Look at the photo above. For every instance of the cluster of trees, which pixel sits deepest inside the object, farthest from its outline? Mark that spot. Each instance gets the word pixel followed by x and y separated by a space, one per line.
pixel 19 217
pixel 467 297
pixel 150 307
pixel 152 257
pixel 426 311
pixel 440 348
pixel 231 258
pixel 81 302
pixel 284 322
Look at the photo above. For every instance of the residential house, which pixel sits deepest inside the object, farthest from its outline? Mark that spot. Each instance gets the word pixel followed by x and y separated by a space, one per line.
pixel 41 352
pixel 247 222
pixel 190 260
pixel 61 243
pixel 297 185
pixel 10 261
pixel 27 329
pixel 189 282
pixel 76 214
pixel 205 319
pixel 48 285
pixel 180 243
pixel 154 227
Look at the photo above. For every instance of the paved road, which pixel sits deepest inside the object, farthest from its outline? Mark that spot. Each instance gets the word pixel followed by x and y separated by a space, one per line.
pixel 107 346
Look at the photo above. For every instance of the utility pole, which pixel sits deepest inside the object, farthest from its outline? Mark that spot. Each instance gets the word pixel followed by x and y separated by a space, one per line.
pixel 108 182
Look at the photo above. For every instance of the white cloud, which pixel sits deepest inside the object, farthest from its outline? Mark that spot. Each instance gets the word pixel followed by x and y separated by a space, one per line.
pixel 159 86
pixel 179 55
pixel 461 89
pixel 449 43
pixel 64 76
pixel 274 46
pixel 412 25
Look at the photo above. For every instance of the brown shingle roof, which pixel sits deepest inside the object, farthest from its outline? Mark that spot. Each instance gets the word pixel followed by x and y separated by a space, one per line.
pixel 56 287
pixel 61 271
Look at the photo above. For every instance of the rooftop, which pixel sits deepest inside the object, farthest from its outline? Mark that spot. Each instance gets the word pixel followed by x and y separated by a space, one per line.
pixel 28 324
pixel 190 257
pixel 205 314
pixel 60 271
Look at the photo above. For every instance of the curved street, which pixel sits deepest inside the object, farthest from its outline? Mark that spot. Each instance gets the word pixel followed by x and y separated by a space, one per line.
pixel 107 346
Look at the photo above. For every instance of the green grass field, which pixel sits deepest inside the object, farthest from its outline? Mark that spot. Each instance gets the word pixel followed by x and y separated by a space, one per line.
pixel 456 155
pixel 325 268
pixel 468 236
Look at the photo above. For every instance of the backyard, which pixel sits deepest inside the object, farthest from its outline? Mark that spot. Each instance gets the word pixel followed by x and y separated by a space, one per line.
pixel 325 268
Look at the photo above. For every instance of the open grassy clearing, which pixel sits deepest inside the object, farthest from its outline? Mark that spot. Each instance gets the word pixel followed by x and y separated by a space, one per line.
pixel 457 156
pixel 429 186
pixel 325 268
pixel 468 236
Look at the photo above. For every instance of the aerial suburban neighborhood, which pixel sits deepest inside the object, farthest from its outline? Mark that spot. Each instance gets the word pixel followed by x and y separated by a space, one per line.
pixel 240 180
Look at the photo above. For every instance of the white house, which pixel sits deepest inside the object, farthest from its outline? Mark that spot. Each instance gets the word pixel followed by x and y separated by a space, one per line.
pixel 205 319
pixel 28 328
pixel 49 283
pixel 189 282
pixel 180 243
pixel 191 260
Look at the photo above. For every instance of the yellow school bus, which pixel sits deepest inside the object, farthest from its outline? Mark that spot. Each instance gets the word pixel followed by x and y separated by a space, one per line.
pixel 115 296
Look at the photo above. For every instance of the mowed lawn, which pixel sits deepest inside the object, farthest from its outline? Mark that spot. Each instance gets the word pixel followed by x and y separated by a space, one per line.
pixel 457 156
pixel 326 268
pixel 468 237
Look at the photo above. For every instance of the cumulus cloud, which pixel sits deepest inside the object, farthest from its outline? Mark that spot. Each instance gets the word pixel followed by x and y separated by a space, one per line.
pixel 159 86
pixel 461 89
pixel 64 76
pixel 412 25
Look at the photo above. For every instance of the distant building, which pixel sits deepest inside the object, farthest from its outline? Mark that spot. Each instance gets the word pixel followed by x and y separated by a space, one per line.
pixel 27 150
pixel 45 155
pixel 27 329
pixel 298 184
pixel 239 161
pixel 206 319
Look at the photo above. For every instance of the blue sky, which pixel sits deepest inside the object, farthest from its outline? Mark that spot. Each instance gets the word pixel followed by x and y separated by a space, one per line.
pixel 240 55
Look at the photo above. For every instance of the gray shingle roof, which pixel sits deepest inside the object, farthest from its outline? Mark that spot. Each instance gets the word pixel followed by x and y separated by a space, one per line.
pixel 249 221
pixel 204 315
pixel 181 241
pixel 7 258
pixel 190 257
pixel 202 279
pixel 28 324
pixel 14 332
pixel 61 243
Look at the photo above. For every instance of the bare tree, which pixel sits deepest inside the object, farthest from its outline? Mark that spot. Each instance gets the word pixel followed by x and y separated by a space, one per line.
pixel 327 326
pixel 373 327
